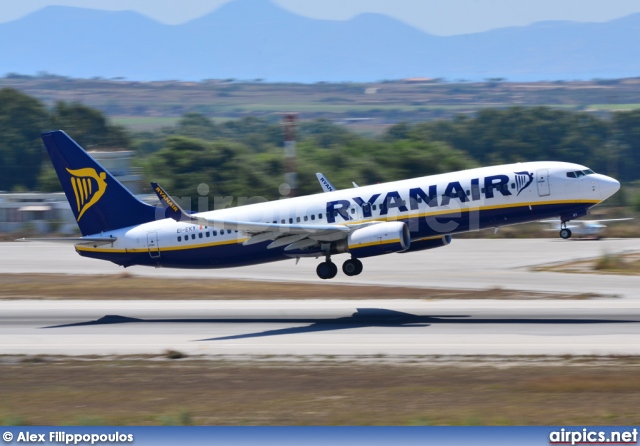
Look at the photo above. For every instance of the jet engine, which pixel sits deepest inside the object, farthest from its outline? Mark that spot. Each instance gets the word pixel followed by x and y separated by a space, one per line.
pixel 378 239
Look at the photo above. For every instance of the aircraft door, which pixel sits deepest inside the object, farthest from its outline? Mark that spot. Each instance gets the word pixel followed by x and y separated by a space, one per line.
pixel 542 179
pixel 152 244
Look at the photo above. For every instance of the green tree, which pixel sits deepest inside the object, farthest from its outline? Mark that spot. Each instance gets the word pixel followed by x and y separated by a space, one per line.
pixel 88 126
pixel 518 134
pixel 22 119
pixel 624 154
pixel 228 169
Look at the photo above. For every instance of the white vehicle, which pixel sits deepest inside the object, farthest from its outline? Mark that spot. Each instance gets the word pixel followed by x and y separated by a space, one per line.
pixel 581 228
pixel 396 217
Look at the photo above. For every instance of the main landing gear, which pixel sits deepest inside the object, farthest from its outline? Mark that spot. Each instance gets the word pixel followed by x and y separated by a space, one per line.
pixel 352 267
pixel 328 269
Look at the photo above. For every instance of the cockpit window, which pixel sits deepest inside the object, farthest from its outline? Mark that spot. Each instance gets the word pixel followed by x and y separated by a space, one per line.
pixel 580 173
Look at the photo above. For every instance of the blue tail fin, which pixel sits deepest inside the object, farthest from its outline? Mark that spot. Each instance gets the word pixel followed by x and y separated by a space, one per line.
pixel 99 202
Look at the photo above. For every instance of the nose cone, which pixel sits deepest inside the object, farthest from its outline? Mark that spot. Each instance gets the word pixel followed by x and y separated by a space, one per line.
pixel 608 186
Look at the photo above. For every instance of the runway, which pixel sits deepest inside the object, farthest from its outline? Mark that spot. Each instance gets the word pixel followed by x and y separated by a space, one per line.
pixel 465 264
pixel 330 328
pixel 239 329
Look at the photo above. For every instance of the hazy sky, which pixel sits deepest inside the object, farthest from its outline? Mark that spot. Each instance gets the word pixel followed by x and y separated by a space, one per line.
pixel 441 17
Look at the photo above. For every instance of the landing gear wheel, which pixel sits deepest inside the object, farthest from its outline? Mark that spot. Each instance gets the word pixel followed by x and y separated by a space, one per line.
pixel 327 270
pixel 352 267
pixel 565 233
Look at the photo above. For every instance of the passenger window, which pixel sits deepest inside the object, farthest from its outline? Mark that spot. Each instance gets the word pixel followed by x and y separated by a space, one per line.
pixel 290 220
pixel 179 238
pixel 283 220
pixel 353 211
pixel 306 218
pixel 297 219
pixel 513 186
pixel 335 213
pixel 200 235
pixel 375 206
pixel 319 216
pixel 193 236
pixel 228 231
pixel 207 234
pixel 215 233
pixel 313 216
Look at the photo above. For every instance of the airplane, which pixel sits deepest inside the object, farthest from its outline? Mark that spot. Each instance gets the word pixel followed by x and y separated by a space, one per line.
pixel 396 217
pixel 582 228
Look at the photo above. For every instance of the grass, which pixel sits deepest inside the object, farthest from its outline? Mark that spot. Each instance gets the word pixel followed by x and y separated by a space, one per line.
pixel 129 391
pixel 622 264
pixel 145 122
pixel 126 286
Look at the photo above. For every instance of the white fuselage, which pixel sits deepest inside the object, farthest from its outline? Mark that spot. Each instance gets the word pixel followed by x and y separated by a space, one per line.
pixel 431 206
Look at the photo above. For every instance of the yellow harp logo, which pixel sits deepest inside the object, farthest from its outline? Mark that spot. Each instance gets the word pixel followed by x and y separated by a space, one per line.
pixel 88 186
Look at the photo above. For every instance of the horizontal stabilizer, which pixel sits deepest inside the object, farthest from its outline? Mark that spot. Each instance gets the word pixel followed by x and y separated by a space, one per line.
pixel 98 241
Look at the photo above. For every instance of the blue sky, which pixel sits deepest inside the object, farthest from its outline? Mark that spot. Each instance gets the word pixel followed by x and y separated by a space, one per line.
pixel 441 17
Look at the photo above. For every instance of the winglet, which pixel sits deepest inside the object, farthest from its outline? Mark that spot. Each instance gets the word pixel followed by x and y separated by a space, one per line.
pixel 171 207
pixel 324 183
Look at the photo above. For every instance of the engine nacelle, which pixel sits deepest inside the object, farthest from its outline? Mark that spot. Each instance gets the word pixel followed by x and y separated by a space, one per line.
pixel 430 243
pixel 375 240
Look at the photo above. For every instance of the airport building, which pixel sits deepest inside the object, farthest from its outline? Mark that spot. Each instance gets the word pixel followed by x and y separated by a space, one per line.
pixel 42 213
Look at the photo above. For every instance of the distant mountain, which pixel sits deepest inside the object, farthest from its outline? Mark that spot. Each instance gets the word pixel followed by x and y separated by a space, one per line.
pixel 256 39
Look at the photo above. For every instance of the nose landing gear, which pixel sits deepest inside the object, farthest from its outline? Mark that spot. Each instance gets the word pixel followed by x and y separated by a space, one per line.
pixel 565 233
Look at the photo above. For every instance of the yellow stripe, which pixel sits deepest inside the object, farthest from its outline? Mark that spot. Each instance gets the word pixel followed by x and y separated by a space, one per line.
pixel 84 187
pixel 75 191
pixel 364 245
pixel 462 210
pixel 435 237
pixel 169 248
pixel 89 183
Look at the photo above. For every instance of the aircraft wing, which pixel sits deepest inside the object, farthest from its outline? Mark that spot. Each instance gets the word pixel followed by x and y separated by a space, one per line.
pixel 97 241
pixel 286 234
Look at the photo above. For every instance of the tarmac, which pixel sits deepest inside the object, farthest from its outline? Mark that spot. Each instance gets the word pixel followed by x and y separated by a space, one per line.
pixel 333 328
